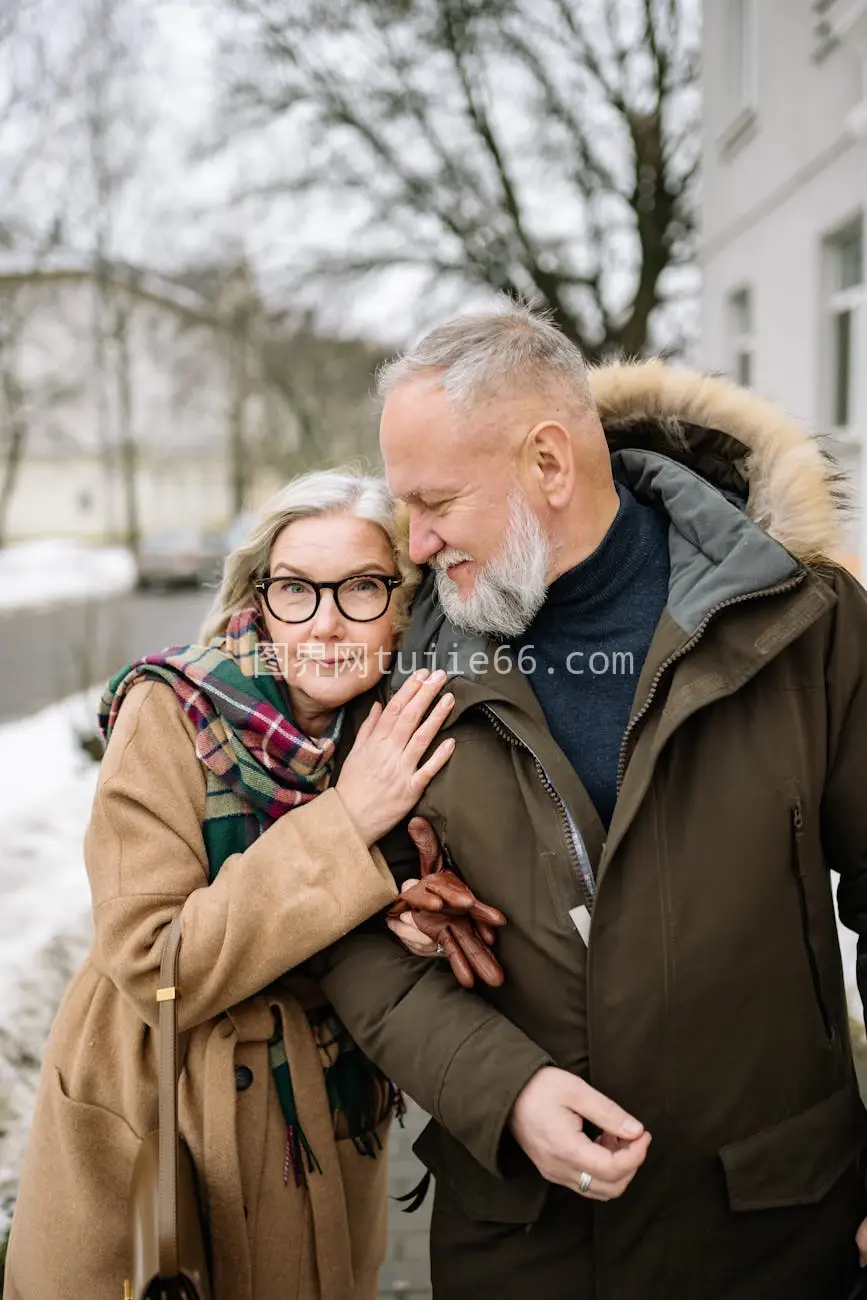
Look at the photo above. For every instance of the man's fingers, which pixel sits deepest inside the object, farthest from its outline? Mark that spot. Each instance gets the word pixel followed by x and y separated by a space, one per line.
pixel 861 1242
pixel 609 1170
pixel 602 1111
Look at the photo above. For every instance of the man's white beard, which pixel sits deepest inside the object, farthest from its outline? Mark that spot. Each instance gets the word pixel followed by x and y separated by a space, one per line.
pixel 510 589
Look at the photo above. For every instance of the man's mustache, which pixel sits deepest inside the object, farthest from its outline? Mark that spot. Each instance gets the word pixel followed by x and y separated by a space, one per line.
pixel 446 558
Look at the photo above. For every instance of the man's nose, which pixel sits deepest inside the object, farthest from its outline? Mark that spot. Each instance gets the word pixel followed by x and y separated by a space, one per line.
pixel 423 542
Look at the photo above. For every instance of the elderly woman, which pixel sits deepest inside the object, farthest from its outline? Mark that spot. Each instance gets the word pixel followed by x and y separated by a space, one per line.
pixel 207 748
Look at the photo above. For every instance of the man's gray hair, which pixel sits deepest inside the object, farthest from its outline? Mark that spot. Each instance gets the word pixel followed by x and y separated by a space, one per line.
pixel 477 356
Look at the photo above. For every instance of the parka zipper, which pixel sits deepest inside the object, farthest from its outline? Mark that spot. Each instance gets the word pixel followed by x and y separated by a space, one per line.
pixel 663 668
pixel 797 814
pixel 579 858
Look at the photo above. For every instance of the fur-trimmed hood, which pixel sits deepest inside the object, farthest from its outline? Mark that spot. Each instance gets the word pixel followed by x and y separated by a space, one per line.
pixel 738 441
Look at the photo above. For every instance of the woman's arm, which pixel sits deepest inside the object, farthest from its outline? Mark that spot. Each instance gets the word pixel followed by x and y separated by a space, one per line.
pixel 308 880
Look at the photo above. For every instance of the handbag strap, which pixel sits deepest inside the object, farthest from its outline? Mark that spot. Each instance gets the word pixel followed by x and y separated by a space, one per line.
pixel 169 1066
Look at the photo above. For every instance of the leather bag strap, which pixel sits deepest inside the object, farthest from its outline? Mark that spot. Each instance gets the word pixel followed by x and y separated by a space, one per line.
pixel 169 1068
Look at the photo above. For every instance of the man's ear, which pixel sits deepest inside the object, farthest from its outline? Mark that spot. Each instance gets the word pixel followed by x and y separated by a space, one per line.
pixel 550 463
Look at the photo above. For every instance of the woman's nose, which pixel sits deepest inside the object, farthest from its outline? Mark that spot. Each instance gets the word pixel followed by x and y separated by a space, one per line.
pixel 327 621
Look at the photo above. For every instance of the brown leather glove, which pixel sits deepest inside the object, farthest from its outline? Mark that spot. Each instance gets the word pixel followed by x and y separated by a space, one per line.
pixel 446 910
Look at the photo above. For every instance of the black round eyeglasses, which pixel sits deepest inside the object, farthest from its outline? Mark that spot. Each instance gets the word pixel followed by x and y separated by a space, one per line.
pixel 363 598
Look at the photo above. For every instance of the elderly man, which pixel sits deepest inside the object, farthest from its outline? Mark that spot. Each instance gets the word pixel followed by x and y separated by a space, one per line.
pixel 661 726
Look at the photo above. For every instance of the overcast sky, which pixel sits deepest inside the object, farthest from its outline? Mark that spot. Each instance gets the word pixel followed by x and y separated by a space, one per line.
pixel 176 210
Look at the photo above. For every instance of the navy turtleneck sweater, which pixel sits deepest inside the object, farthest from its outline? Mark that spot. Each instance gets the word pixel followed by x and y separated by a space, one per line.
pixel 590 640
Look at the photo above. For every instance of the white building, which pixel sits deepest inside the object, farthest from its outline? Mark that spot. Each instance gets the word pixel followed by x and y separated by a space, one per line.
pixel 101 372
pixel 784 198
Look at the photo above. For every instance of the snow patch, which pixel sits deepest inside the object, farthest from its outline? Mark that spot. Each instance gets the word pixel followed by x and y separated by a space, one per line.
pixel 57 570
pixel 45 922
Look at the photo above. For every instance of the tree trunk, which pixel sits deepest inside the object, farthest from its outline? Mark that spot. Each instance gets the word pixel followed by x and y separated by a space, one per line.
pixel 128 448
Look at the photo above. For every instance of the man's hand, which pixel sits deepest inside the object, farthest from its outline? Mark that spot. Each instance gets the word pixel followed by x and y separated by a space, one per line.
pixel 439 914
pixel 861 1243
pixel 547 1120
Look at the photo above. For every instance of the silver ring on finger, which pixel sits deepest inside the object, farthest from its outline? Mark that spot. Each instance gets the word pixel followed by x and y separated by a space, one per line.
pixel 441 952
pixel 584 1183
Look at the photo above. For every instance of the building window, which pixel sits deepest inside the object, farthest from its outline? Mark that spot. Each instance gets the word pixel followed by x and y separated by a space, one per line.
pixel 832 21
pixel 744 60
pixel 846 281
pixel 743 342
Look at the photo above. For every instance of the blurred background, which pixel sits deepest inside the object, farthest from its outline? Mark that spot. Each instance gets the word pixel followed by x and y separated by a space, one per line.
pixel 218 216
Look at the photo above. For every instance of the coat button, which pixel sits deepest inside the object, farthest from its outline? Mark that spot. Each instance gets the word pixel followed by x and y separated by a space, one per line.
pixel 243 1078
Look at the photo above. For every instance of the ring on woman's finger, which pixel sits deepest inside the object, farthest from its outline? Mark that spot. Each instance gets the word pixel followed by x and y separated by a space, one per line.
pixel 584 1183
pixel 440 952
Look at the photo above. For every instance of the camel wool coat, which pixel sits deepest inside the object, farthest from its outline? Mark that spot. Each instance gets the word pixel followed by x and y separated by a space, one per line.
pixel 307 880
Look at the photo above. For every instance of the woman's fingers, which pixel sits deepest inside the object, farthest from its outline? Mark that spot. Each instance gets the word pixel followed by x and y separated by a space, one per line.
pixel 426 732
pixel 425 774
pixel 411 938
pixel 402 699
pixel 369 722
pixel 418 898
pixel 408 717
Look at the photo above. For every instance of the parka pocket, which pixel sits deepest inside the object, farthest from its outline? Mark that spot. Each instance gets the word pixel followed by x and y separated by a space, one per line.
pixel 799 868
pixel 798 1160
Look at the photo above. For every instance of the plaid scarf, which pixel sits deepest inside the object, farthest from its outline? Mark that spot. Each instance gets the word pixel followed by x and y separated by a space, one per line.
pixel 258 766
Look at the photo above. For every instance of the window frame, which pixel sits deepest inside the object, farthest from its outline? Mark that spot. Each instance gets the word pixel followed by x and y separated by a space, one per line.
pixel 839 303
pixel 742 334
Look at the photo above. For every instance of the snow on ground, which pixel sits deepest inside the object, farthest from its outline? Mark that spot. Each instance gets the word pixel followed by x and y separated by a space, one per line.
pixel 57 570
pixel 45 914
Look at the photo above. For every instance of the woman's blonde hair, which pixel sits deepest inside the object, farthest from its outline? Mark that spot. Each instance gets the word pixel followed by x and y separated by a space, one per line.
pixel 324 492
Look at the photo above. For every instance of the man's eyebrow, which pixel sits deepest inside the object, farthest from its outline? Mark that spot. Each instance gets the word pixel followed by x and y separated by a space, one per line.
pixel 434 494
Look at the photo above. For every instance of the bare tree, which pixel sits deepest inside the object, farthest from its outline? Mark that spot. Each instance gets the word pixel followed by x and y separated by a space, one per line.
pixel 113 36
pixel 32 85
pixel 327 383
pixel 543 148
